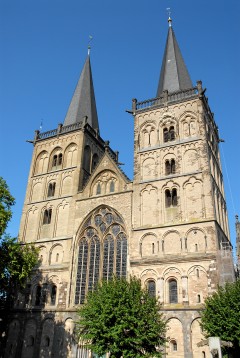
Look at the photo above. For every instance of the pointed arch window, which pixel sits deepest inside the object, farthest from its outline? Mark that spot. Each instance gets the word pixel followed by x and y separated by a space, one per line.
pixel 102 251
pixel 173 292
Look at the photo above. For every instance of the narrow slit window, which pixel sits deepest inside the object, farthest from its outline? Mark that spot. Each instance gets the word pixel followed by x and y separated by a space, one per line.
pixel 171 133
pixel 173 294
pixel 173 167
pixel 167 167
pixel 174 197
pixel 38 295
pixel 53 295
pixel 167 198
pixel 98 192
pixel 165 135
pixel 112 187
pixel 153 248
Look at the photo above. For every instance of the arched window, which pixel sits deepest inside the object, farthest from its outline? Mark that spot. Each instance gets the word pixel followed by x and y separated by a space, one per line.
pixel 112 187
pixel 197 273
pixel 167 167
pixel 53 295
pixel 57 257
pixel 54 161
pixel 165 135
pixel 168 198
pixel 198 299
pixel 174 197
pixel 173 294
pixel 173 166
pixel 170 167
pixel 94 161
pixel 103 237
pixel 57 161
pixel 98 191
pixel 47 216
pixel 87 159
pixel 173 345
pixel 38 295
pixel 51 189
pixel 171 133
pixel 151 287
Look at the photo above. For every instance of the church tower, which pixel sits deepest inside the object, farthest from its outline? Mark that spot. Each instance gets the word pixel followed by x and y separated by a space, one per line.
pixel 180 244
pixel 168 226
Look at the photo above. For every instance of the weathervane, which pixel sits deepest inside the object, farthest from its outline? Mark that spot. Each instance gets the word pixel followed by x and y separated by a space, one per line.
pixel 89 46
pixel 169 16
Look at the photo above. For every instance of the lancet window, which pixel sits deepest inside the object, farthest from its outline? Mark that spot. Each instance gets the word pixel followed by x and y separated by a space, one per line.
pixel 102 251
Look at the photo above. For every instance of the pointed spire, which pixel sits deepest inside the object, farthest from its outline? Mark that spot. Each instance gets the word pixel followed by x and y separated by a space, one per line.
pixel 174 75
pixel 83 101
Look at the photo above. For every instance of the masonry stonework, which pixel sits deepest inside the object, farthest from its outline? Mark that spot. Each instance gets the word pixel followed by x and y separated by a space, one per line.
pixel 168 226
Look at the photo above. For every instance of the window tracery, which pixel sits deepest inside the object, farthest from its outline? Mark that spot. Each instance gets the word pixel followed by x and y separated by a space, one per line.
pixel 102 251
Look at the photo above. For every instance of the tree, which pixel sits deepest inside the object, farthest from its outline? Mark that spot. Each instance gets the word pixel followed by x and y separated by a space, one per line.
pixel 221 316
pixel 6 202
pixel 16 265
pixel 16 261
pixel 121 318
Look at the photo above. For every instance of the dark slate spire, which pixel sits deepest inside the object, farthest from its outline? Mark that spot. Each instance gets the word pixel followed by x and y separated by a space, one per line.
pixel 83 101
pixel 174 75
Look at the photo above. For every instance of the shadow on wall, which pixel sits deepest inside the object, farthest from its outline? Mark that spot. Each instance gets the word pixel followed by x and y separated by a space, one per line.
pixel 36 326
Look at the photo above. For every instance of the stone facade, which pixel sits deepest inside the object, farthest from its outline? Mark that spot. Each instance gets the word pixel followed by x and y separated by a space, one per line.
pixel 172 216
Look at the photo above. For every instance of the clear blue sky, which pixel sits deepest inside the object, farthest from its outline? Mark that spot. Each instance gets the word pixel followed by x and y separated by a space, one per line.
pixel 43 46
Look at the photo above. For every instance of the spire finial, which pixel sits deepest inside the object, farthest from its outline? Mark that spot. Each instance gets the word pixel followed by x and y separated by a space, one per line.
pixel 89 46
pixel 169 16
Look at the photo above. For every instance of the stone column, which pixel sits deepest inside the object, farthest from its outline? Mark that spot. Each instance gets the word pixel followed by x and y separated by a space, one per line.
pixel 160 289
pixel 185 289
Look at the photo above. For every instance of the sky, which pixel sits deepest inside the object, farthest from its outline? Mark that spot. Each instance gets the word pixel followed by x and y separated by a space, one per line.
pixel 43 46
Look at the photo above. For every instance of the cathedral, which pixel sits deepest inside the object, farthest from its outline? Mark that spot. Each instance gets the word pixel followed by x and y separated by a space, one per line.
pixel 167 226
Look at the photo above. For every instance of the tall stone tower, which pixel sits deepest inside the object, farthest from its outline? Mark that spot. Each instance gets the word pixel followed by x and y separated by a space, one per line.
pixel 168 226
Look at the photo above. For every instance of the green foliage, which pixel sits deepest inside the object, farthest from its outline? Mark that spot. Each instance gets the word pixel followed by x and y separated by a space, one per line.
pixel 6 202
pixel 221 316
pixel 16 264
pixel 121 318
